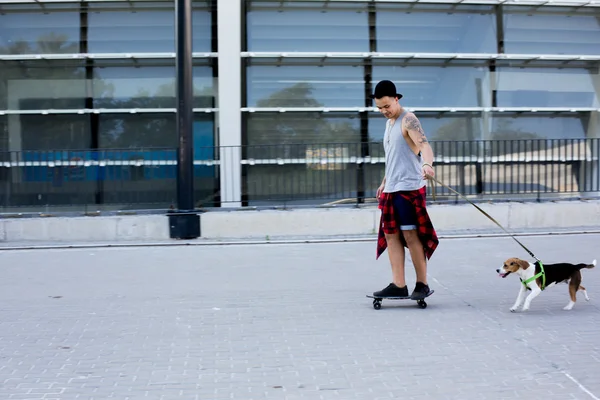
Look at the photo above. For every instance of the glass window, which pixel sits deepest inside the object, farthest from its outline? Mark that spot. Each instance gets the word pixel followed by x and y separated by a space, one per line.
pixel 3 133
pixel 507 126
pixel 305 86
pixel 137 130
pixel 548 87
pixel 158 135
pixel 153 130
pixel 144 27
pixel 148 86
pixel 307 26
pixel 52 84
pixel 299 128
pixel 28 29
pixel 437 86
pixel 436 28
pixel 552 30
pixel 50 132
pixel 62 85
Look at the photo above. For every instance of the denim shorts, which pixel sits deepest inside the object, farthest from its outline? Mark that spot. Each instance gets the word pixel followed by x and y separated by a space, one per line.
pixel 406 217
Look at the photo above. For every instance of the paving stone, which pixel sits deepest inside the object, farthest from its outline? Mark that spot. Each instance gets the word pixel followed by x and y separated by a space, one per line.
pixel 291 322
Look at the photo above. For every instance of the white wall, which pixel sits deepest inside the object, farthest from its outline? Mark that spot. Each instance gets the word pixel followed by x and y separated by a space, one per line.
pixel 230 100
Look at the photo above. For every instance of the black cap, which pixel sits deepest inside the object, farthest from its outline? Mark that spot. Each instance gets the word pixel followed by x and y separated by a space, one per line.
pixel 385 88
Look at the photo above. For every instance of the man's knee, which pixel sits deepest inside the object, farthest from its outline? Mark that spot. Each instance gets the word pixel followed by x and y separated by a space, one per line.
pixel 392 237
pixel 411 236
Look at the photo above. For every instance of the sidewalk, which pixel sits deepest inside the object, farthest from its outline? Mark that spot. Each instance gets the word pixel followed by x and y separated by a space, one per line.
pixel 291 321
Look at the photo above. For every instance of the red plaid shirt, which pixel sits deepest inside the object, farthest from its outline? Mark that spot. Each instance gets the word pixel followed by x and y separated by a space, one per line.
pixel 387 223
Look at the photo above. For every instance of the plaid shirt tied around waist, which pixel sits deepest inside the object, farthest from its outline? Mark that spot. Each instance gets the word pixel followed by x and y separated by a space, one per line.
pixel 389 225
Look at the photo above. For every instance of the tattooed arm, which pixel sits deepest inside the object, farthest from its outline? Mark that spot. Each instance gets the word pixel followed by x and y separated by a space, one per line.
pixel 416 133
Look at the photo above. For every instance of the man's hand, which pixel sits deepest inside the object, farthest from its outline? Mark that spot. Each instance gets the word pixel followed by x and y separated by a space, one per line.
pixel 428 171
pixel 380 191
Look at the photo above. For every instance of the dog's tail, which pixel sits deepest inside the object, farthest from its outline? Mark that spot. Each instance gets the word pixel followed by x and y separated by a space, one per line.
pixel 592 265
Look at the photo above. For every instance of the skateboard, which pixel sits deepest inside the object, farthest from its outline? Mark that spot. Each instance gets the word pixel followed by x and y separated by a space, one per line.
pixel 377 300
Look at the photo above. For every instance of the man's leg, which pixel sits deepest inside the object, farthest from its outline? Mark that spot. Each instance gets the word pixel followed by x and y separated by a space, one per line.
pixel 396 254
pixel 408 216
pixel 417 254
pixel 398 286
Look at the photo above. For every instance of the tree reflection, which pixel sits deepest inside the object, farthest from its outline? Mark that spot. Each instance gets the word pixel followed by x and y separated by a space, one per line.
pixel 42 131
pixel 296 129
pixel 146 129
pixel 456 129
pixel 315 136
pixel 456 138
pixel 504 130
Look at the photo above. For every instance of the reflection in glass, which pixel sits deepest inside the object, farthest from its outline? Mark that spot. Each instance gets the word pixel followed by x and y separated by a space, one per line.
pixel 305 86
pixel 152 130
pixel 537 165
pixel 548 87
pixel 118 28
pixel 53 84
pixel 3 133
pixel 148 87
pixel 137 130
pixel 61 85
pixel 302 26
pixel 299 184
pixel 433 86
pixel 267 129
pixel 508 126
pixel 436 28
pixel 55 30
pixel 552 30
pixel 318 138
pixel 60 131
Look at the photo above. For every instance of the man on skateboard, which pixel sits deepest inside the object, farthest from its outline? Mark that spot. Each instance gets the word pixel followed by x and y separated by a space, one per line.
pixel 404 218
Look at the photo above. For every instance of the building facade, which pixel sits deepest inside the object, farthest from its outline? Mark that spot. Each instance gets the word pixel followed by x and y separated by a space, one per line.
pixel 87 91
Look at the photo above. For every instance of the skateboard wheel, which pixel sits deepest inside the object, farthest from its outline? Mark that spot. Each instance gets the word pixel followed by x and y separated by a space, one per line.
pixel 376 305
pixel 422 304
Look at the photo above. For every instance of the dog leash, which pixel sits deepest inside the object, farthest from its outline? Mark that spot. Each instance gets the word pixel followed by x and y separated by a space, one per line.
pixel 541 274
pixel 433 179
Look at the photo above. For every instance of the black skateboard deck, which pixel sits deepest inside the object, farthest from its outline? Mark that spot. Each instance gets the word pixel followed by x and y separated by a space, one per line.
pixel 377 300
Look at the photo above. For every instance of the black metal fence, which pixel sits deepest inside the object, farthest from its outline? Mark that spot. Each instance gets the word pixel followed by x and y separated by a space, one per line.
pixel 290 174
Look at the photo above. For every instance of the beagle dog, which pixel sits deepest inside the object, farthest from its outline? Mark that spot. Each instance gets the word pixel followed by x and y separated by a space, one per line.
pixel 536 277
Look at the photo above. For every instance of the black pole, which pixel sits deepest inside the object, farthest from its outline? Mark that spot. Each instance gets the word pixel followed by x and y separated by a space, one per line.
pixel 89 99
pixel 183 63
pixel 185 222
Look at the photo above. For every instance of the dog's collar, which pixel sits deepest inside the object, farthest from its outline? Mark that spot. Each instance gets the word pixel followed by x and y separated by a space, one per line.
pixel 541 273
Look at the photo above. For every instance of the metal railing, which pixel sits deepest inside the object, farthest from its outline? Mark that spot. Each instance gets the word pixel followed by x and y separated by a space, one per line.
pixel 290 175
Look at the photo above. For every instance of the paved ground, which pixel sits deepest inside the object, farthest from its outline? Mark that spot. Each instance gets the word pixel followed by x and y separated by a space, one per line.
pixel 291 322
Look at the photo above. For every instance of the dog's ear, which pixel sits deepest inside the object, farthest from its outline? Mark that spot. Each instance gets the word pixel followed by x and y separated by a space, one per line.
pixel 523 264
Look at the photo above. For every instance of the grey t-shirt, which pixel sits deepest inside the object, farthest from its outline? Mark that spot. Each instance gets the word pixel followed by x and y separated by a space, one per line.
pixel 403 168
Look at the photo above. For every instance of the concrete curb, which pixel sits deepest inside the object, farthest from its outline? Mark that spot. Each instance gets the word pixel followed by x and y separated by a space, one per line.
pixel 288 241
pixel 315 222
